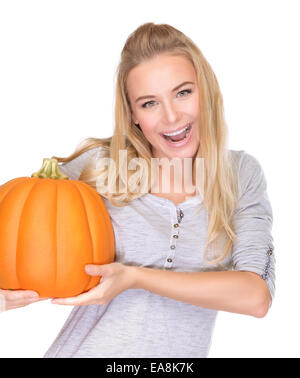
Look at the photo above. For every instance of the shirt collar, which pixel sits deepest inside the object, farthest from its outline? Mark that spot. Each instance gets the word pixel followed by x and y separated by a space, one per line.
pixel 189 202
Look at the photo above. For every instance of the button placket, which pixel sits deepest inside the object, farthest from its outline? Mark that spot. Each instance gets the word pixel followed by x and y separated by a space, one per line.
pixel 174 238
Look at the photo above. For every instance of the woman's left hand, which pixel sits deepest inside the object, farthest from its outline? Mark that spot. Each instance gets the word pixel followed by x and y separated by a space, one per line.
pixel 115 278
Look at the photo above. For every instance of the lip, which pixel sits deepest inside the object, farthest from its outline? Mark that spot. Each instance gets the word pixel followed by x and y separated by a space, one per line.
pixel 179 128
pixel 184 142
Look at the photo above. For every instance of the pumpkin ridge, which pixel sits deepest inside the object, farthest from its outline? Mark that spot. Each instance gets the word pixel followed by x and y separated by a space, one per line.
pixel 91 239
pixel 109 226
pixel 111 242
pixel 55 238
pixel 18 232
pixel 18 182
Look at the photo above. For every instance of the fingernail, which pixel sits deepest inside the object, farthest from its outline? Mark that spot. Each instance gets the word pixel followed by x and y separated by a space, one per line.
pixel 34 295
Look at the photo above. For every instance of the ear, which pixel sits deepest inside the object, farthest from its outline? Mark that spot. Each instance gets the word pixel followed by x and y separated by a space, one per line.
pixel 133 118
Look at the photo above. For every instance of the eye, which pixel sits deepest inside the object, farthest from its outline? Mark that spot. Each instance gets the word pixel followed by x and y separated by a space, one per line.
pixel 187 91
pixel 146 103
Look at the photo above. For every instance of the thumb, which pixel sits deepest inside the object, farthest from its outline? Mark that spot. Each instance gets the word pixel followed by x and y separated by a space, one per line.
pixel 93 270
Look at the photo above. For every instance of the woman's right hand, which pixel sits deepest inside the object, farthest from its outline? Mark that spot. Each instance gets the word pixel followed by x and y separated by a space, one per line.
pixel 10 299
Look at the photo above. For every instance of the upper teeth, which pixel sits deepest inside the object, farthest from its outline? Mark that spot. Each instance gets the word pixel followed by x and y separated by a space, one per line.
pixel 177 132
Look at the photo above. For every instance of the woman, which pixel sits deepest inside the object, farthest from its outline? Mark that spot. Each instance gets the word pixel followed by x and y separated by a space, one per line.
pixel 181 256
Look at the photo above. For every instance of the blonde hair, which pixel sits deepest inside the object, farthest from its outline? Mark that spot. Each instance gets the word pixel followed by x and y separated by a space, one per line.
pixel 220 187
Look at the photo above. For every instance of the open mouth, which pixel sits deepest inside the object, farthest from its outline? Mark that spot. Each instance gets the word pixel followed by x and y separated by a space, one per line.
pixel 179 137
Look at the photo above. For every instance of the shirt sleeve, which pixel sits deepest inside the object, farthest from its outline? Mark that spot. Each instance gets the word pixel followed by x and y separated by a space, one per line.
pixel 253 249
pixel 74 167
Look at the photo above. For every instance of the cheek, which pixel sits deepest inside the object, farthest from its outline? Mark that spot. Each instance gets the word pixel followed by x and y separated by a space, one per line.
pixel 148 126
pixel 149 118
pixel 150 134
pixel 195 107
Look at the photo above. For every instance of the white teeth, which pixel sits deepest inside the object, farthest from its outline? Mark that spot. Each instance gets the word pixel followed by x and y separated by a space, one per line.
pixel 177 132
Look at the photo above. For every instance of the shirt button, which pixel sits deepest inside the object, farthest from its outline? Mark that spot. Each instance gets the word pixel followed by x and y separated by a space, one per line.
pixel 175 236
pixel 169 260
pixel 176 225
pixel 172 247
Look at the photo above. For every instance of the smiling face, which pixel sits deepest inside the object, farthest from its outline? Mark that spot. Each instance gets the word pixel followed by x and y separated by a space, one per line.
pixel 166 105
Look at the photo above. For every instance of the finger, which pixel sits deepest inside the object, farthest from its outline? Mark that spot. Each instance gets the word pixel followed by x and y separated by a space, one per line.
pixel 2 303
pixel 29 293
pixel 22 294
pixel 64 301
pixel 79 300
pixel 39 299
pixel 23 301
pixel 25 295
pixel 17 303
pixel 93 270
pixel 71 301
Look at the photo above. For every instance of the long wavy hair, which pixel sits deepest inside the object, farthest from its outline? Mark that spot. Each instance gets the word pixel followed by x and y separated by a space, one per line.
pixel 219 192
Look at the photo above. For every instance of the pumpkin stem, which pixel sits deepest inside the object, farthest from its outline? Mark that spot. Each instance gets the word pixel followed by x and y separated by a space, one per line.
pixel 50 169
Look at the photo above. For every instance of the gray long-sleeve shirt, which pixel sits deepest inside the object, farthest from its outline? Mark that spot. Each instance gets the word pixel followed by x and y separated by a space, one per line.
pixel 138 323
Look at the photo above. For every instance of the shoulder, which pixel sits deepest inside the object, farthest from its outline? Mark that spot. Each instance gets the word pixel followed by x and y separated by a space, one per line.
pixel 249 170
pixel 245 162
pixel 74 167
pixel 244 159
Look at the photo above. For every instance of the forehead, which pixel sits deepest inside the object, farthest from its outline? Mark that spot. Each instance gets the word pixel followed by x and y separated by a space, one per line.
pixel 159 73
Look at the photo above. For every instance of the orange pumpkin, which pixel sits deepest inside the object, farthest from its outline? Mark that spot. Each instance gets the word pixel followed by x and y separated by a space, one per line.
pixel 50 228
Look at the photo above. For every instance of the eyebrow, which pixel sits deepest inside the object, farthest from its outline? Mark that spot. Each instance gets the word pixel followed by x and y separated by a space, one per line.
pixel 173 90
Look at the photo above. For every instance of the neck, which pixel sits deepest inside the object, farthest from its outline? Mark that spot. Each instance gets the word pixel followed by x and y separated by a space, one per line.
pixel 174 180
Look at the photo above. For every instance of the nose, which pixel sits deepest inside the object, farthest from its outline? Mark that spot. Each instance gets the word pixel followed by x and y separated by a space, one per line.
pixel 171 113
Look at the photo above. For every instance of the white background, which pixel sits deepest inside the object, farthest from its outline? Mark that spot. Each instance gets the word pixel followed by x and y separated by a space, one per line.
pixel 57 76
